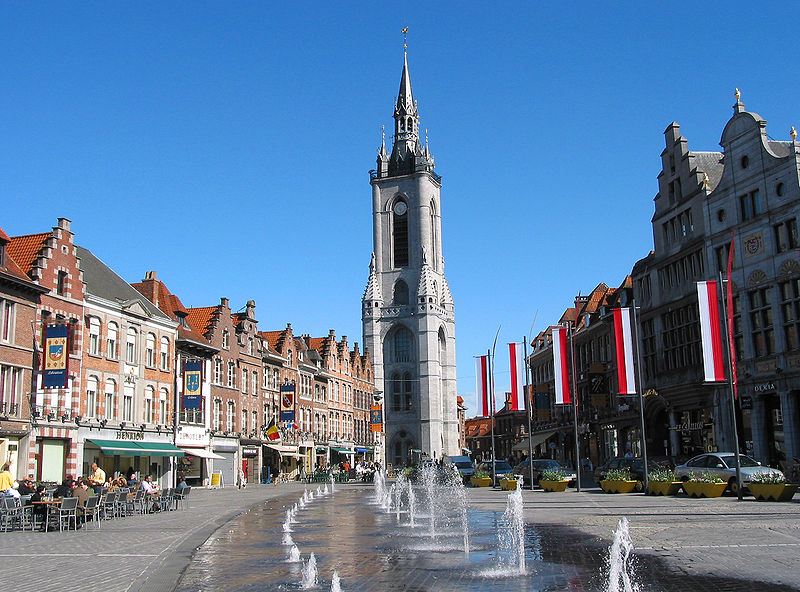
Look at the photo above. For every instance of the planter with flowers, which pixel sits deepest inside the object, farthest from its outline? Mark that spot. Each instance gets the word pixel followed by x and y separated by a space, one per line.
pixel 662 482
pixel 481 479
pixel 704 485
pixel 553 480
pixel 618 481
pixel 771 486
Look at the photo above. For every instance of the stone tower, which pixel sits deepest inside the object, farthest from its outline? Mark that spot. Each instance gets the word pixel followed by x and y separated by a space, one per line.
pixel 407 310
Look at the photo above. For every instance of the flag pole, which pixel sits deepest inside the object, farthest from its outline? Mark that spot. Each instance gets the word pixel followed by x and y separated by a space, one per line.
pixel 574 391
pixel 732 397
pixel 528 406
pixel 491 411
pixel 638 378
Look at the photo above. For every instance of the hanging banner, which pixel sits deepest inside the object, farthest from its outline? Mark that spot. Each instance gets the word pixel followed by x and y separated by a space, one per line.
pixel 56 356
pixel 192 381
pixel 376 418
pixel 287 402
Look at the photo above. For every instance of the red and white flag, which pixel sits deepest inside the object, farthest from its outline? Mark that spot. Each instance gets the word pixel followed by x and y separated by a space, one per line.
pixel 710 334
pixel 482 382
pixel 560 366
pixel 626 377
pixel 517 365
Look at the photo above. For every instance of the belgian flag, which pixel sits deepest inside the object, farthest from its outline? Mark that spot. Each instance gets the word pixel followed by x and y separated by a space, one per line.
pixel 272 431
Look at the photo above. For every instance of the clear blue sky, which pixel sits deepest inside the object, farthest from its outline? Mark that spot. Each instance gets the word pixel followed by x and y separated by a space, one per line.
pixel 227 145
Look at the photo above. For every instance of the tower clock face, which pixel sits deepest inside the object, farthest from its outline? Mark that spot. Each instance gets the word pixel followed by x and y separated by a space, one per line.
pixel 400 208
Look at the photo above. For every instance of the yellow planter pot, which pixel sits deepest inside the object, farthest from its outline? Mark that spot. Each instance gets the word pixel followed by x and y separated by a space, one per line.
pixel 481 481
pixel 553 485
pixel 618 486
pixel 778 492
pixel 508 484
pixel 698 489
pixel 664 488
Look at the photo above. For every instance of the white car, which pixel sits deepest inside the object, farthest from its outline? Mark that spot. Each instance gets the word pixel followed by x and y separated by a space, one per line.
pixel 723 465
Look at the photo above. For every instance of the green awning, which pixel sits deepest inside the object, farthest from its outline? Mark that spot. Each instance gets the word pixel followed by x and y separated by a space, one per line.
pixel 128 448
pixel 341 450
pixel 321 449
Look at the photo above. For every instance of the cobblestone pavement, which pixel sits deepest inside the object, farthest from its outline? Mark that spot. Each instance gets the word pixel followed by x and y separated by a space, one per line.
pixel 748 540
pixel 723 537
pixel 140 553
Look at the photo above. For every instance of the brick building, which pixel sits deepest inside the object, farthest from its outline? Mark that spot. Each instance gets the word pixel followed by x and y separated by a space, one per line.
pixel 19 301
pixel 49 259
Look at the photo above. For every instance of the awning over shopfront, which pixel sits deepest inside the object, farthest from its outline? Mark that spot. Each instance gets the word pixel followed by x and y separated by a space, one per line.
pixel 341 450
pixel 127 448
pixel 322 449
pixel 202 453
pixel 284 450
pixel 364 448
pixel 536 439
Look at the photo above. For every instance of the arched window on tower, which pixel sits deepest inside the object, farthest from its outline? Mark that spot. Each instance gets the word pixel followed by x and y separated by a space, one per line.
pixel 434 237
pixel 407 392
pixel 400 233
pixel 410 125
pixel 395 384
pixel 400 295
pixel 401 345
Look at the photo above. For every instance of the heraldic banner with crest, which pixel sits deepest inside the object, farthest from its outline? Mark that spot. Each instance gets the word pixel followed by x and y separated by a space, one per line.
pixel 192 381
pixel 56 356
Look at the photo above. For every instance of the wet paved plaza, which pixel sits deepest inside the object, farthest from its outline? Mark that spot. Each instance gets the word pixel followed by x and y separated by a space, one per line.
pixel 371 549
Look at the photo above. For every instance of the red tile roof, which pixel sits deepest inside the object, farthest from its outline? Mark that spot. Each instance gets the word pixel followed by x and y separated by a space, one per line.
pixel 272 338
pixel 25 249
pixel 11 266
pixel 316 343
pixel 200 318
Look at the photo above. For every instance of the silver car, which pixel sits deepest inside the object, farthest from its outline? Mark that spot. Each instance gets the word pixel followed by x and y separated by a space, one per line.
pixel 723 465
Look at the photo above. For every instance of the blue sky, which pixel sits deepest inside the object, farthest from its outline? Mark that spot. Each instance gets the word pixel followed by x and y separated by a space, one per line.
pixel 227 145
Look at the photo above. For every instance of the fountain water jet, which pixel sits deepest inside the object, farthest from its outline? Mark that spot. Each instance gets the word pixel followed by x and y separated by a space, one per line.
pixel 335 585
pixel 309 576
pixel 620 568
pixel 287 525
pixel 294 554
pixel 516 523
pixel 287 539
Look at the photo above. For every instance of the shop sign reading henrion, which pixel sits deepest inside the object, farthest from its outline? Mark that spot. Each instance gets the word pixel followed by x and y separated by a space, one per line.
pixel 122 435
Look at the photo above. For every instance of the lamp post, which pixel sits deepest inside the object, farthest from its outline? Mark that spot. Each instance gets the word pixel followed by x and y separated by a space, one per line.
pixel 380 452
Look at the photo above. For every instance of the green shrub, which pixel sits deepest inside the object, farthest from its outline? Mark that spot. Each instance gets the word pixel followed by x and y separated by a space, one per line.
pixel 769 477
pixel 552 475
pixel 481 474
pixel 661 476
pixel 705 477
pixel 623 474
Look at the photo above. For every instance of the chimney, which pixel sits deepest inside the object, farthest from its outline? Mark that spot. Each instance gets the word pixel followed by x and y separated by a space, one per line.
pixel 150 275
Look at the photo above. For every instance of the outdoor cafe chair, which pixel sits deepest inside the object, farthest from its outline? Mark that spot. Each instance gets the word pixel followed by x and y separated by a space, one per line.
pixel 165 500
pixel 10 513
pixel 66 511
pixel 139 502
pixel 180 497
pixel 109 503
pixel 92 508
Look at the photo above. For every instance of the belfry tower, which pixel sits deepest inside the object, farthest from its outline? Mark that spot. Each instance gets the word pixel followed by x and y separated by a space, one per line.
pixel 407 310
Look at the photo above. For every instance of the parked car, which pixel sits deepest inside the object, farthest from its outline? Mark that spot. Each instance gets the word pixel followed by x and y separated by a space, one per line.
pixel 464 465
pixel 634 464
pixel 539 465
pixel 723 465
pixel 501 467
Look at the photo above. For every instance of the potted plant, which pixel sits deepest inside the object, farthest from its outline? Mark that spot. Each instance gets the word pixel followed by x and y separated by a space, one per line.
pixel 705 484
pixel 770 485
pixel 553 480
pixel 618 481
pixel 481 479
pixel 662 482
pixel 508 482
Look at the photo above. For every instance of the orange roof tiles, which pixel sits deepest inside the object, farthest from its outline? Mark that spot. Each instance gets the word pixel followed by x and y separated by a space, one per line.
pixel 25 249
pixel 200 318
pixel 11 266
pixel 272 338
pixel 316 343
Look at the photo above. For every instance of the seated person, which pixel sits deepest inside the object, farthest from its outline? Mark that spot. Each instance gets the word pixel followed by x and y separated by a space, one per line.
pixel 27 487
pixel 38 496
pixel 130 476
pixel 65 489
pixel 121 482
pixel 82 493
pixel 148 486
pixel 181 484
